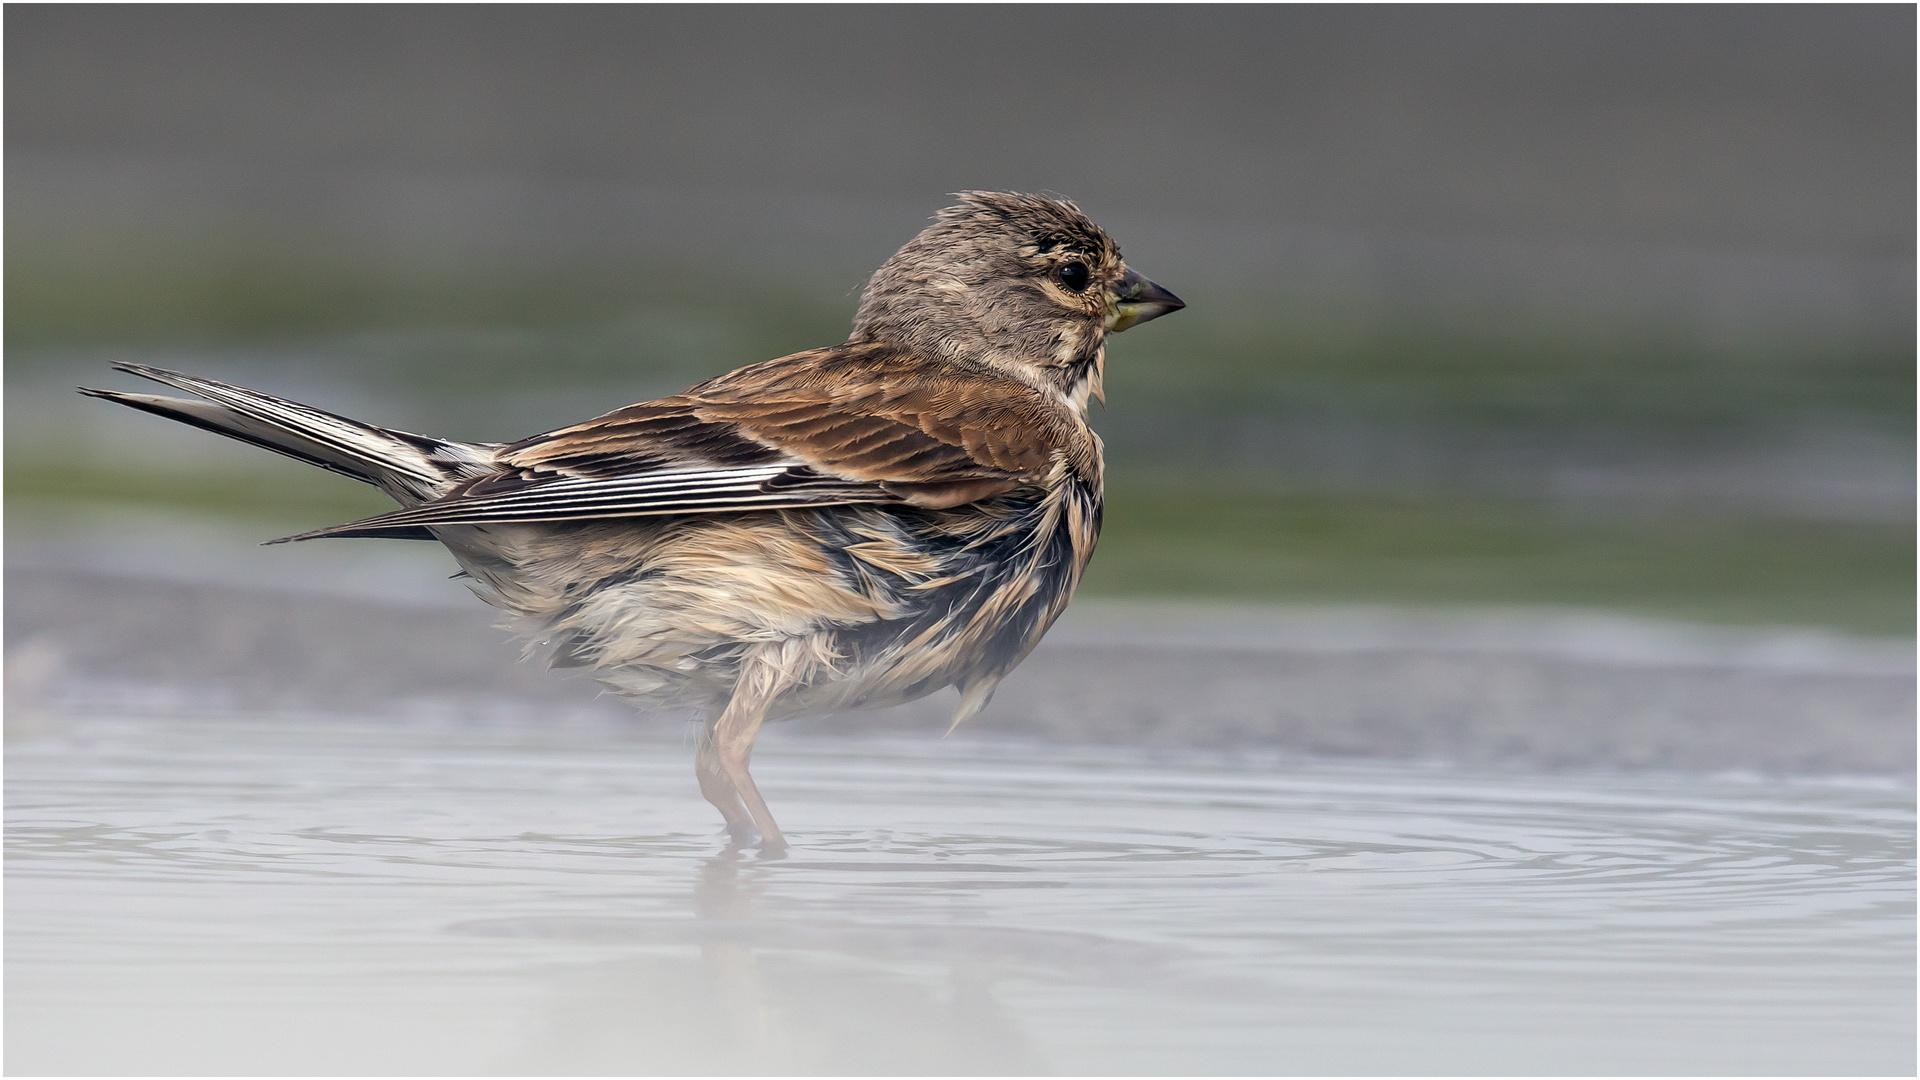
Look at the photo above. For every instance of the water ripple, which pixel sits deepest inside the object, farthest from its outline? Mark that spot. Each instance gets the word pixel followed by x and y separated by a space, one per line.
pixel 510 899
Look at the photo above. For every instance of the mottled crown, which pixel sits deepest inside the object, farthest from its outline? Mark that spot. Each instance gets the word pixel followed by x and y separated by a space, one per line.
pixel 1048 224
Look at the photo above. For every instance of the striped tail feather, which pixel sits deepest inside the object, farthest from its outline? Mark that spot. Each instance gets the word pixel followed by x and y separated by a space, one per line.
pixel 411 468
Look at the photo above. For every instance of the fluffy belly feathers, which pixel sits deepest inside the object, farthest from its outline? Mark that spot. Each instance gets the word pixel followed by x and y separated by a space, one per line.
pixel 873 606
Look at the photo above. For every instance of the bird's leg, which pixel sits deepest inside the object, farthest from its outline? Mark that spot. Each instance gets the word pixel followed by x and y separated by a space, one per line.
pixel 765 672
pixel 719 789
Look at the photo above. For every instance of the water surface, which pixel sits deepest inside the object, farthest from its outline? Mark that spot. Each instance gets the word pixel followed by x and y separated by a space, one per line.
pixel 275 895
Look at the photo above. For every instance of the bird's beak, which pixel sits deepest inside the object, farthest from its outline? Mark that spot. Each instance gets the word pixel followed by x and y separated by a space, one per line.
pixel 1137 300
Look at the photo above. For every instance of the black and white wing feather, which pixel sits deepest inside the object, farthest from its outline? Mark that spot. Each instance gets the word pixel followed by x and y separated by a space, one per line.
pixel 679 491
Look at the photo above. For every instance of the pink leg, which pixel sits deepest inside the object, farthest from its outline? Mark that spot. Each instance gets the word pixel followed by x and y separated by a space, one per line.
pixel 765 673
pixel 719 789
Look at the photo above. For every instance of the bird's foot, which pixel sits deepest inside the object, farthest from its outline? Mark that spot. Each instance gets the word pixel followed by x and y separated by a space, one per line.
pixel 748 838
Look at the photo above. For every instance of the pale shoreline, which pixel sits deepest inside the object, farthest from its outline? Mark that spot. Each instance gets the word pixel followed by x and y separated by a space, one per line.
pixel 1541 689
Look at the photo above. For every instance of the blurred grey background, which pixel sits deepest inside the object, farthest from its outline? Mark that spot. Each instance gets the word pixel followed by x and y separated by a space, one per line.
pixel 1544 405
pixel 1594 308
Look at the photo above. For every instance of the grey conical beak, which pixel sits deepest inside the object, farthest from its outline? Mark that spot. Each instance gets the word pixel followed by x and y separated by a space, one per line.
pixel 1137 300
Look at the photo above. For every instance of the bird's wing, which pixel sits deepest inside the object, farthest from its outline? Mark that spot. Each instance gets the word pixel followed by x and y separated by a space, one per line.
pixel 809 430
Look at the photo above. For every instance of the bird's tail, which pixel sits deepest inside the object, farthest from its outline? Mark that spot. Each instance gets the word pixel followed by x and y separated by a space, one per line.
pixel 411 468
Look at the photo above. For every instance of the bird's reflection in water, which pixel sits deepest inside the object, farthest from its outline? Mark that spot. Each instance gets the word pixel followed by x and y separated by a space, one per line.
pixel 724 894
pixel 767 994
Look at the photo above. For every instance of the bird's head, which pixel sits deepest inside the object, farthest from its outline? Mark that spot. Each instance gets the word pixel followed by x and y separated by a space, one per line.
pixel 1022 283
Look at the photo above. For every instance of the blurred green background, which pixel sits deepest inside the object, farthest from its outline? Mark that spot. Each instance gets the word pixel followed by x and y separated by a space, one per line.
pixel 1607 307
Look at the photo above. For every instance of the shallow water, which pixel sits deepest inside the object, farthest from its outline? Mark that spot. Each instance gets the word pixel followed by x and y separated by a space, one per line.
pixel 331 896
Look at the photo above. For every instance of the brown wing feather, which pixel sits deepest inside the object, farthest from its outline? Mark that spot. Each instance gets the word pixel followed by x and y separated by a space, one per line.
pixel 940 436
pixel 852 424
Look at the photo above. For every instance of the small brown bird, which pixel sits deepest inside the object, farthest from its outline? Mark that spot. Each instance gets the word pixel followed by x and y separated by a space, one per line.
pixel 849 527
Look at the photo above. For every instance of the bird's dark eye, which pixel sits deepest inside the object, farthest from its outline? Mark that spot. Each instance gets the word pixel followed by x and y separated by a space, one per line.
pixel 1074 276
